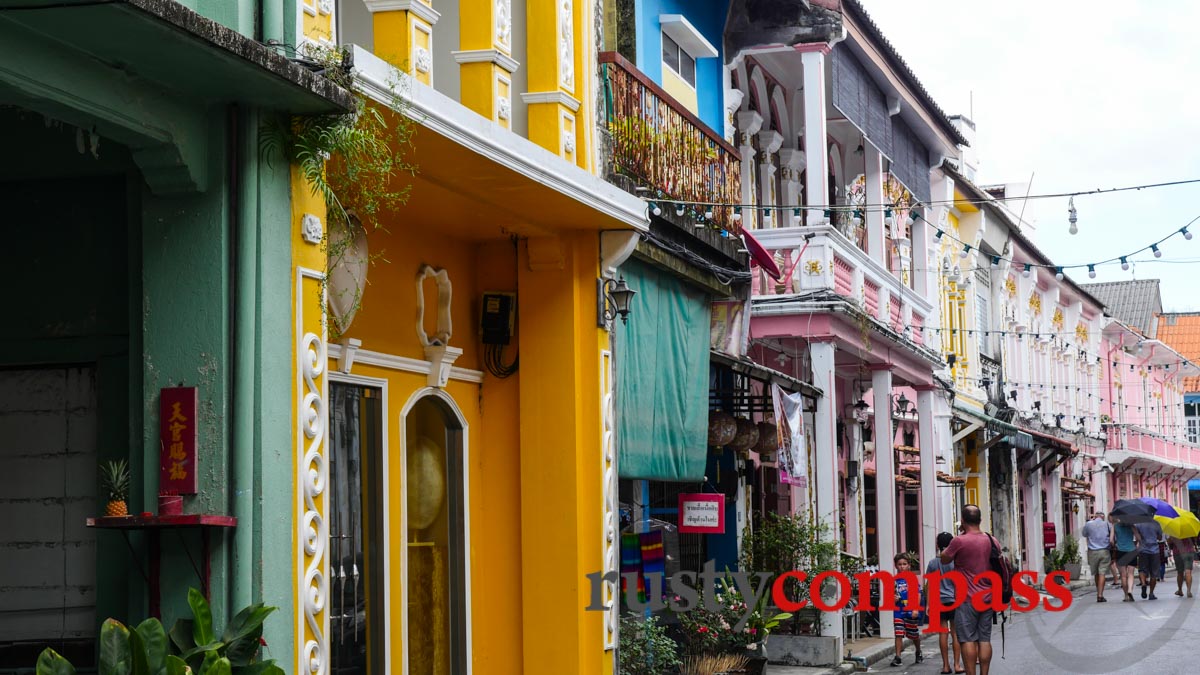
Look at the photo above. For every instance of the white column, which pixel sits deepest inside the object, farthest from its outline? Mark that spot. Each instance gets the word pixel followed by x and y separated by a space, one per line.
pixel 768 144
pixel 885 482
pixel 748 122
pixel 1054 506
pixel 816 156
pixel 1033 521
pixel 825 468
pixel 791 163
pixel 873 195
pixel 854 520
pixel 929 489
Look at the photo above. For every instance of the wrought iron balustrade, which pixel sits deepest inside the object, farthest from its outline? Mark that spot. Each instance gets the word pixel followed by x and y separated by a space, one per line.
pixel 666 148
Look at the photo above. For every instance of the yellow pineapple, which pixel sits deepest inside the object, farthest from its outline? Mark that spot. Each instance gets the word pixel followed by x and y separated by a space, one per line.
pixel 115 480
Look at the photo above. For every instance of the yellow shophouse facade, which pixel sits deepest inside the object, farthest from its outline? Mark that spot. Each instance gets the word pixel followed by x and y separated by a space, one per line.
pixel 455 478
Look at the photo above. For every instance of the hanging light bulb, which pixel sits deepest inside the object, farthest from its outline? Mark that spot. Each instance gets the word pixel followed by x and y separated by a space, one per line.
pixel 887 218
pixel 1058 273
pixel 1186 235
pixel 995 261
pixel 938 236
pixel 796 216
pixel 1124 264
pixel 856 219
pixel 655 209
pixel 708 213
pixel 679 210
pixel 1027 271
pixel 1091 271
pixel 737 214
pixel 1072 217
pixel 1157 253
pixel 966 251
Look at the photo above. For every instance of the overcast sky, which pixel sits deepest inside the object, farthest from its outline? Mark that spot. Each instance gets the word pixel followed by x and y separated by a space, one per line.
pixel 1081 94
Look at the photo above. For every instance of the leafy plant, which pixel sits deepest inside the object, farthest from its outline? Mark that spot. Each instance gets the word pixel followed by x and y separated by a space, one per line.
pixel 193 643
pixel 141 651
pixel 196 641
pixel 354 161
pixel 782 543
pixel 644 647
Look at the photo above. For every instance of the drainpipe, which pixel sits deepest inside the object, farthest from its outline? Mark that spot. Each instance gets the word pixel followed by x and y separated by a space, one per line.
pixel 243 210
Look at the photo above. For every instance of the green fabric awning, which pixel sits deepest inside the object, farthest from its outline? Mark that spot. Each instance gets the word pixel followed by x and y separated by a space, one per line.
pixel 662 378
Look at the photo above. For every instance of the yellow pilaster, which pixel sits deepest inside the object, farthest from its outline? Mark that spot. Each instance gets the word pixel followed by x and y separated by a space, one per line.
pixel 560 74
pixel 561 454
pixel 486 65
pixel 404 35
pixel 309 422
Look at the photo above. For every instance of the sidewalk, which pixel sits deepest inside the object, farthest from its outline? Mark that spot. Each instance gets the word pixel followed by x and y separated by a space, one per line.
pixel 871 651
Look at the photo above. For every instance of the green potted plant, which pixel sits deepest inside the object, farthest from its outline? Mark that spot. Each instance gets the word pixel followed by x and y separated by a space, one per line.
pixel 1070 560
pixel 780 544
pixel 193 646
pixel 644 648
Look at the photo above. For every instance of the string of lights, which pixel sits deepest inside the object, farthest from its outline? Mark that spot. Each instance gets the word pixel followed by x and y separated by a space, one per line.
pixel 883 206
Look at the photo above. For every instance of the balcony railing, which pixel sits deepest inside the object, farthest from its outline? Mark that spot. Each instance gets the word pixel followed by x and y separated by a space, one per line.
pixel 820 257
pixel 1142 441
pixel 663 146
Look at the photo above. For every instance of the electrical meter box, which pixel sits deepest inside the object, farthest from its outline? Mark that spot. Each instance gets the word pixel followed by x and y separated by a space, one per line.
pixel 498 317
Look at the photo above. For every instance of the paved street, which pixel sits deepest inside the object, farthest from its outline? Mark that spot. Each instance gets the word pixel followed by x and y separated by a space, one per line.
pixel 1115 637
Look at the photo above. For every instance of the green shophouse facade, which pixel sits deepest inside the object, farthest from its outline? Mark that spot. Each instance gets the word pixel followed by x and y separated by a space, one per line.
pixel 147 246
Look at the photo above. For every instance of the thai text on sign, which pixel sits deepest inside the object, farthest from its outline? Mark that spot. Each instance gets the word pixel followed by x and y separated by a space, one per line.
pixel 702 513
pixel 177 437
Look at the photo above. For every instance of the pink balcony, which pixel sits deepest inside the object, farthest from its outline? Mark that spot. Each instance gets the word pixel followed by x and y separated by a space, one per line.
pixel 828 261
pixel 1129 443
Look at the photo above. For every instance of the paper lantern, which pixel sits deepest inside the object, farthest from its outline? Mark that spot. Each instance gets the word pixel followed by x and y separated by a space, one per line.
pixel 768 439
pixel 747 435
pixel 426 483
pixel 721 428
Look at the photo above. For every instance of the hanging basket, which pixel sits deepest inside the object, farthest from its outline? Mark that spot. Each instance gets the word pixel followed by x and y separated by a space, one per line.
pixel 722 428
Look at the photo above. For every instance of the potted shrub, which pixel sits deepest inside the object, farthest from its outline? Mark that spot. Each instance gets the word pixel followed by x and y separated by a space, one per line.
pixel 1069 559
pixel 780 544
pixel 645 648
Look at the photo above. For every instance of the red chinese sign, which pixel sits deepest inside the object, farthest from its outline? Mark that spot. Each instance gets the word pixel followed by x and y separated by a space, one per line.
pixel 177 437
pixel 702 513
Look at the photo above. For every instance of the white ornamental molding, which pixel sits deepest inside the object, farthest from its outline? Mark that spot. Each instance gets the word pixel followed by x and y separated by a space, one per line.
pixel 438 352
pixel 503 107
pixel 424 60
pixel 311 229
pixel 504 23
pixel 608 589
pixel 314 473
pixel 325 6
pixel 566 43
pixel 569 141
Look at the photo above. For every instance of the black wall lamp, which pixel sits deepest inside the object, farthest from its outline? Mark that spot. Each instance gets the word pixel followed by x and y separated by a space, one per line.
pixel 612 300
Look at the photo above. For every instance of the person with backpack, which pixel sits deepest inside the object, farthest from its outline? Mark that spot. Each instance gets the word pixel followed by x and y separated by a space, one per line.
pixel 945 590
pixel 973 552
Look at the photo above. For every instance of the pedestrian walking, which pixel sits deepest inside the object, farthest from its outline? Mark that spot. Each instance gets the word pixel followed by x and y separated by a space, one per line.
pixel 971 554
pixel 948 641
pixel 1099 537
pixel 906 621
pixel 1147 535
pixel 1127 556
pixel 1185 554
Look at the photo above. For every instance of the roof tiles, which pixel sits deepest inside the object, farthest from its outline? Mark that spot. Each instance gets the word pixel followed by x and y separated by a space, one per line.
pixel 1137 302
pixel 1182 333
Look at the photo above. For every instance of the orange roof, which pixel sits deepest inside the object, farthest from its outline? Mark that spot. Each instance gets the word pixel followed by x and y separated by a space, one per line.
pixel 1182 333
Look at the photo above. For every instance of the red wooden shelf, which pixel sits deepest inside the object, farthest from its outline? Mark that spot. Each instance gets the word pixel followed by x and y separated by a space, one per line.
pixel 152 522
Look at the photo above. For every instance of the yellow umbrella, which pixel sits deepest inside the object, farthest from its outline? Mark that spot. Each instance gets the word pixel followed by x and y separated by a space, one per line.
pixel 1185 526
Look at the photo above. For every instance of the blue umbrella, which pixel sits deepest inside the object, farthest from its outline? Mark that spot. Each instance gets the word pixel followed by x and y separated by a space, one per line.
pixel 1161 508
pixel 1132 511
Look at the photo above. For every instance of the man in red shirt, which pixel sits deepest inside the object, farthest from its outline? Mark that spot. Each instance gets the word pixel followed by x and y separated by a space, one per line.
pixel 971 554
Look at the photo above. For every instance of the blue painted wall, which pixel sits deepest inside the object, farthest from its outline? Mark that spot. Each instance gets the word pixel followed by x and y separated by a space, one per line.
pixel 708 16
